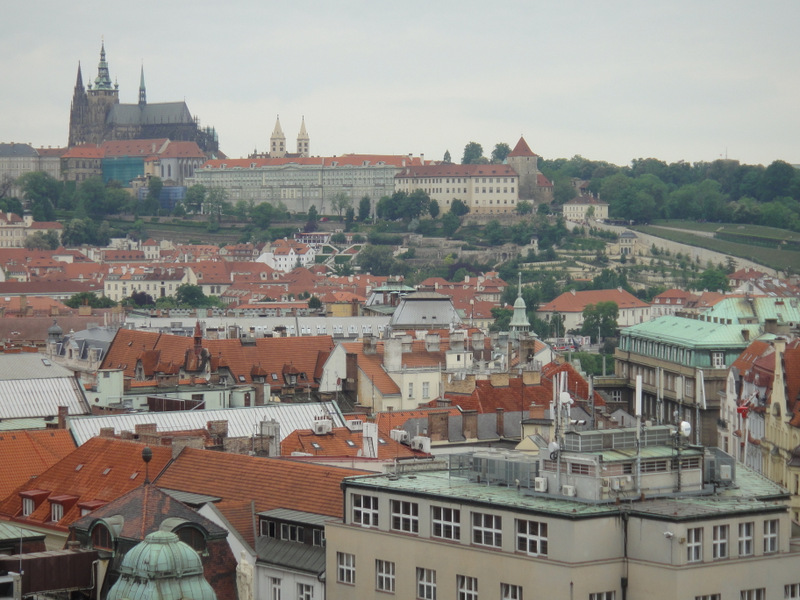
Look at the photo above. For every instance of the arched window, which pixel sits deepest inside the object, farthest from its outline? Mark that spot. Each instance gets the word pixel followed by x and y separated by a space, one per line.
pixel 101 538
pixel 193 537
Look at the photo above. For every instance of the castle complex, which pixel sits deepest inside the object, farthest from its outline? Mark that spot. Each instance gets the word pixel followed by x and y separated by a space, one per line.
pixel 96 115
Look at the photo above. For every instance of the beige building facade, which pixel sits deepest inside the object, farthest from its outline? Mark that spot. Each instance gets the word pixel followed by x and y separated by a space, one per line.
pixel 489 528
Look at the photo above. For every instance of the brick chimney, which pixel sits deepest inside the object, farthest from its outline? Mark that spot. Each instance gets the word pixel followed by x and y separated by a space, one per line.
pixel 500 422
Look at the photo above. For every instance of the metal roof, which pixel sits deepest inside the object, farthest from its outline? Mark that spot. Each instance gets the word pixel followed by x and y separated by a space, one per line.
pixel 242 422
pixel 31 365
pixel 30 398
pixel 294 555
pixel 296 516
pixel 692 332
pixel 191 498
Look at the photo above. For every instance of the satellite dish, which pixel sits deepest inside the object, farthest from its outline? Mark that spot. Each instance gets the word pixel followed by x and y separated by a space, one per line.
pixel 552 447
pixel 685 429
pixel 565 398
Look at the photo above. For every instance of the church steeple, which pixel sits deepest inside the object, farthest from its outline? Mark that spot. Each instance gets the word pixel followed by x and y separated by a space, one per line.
pixel 78 111
pixel 277 141
pixel 519 320
pixel 103 80
pixel 142 91
pixel 303 140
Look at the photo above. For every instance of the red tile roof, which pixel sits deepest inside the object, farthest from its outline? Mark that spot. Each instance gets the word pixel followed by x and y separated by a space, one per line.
pixel 268 482
pixel 101 469
pixel 26 454
pixel 341 442
pixel 521 149
pixel 454 170
pixel 577 301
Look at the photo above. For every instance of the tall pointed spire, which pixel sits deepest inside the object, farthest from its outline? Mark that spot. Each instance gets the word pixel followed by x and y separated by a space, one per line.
pixel 277 141
pixel 519 320
pixel 103 80
pixel 78 112
pixel 302 139
pixel 142 91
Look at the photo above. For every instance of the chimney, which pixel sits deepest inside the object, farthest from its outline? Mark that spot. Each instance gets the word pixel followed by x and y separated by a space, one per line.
pixel 478 338
pixel 370 344
pixel 106 432
pixel 63 413
pixel 771 326
pixel 469 424
pixel 407 342
pixel 432 342
pixel 438 426
pixel 500 423
pixel 392 354
pixel 746 335
pixel 457 341
pixel 218 428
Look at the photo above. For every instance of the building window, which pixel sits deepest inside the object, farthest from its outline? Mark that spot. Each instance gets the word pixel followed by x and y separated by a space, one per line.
pixel 719 542
pixel 718 360
pixel 532 537
pixel 754 594
pixel 292 533
pixel 384 576
pixel 467 587
pixel 101 538
pixel 410 389
pixel 426 584
pixel 305 591
pixel 487 530
pixel 446 523
pixel 365 510
pixel 581 469
pixel 346 572
pixel 708 597
pixel 274 588
pixel 770 536
pixel 319 537
pixel 791 591
pixel 694 544
pixel 426 392
pixel 603 596
pixel 193 537
pixel 56 512
pixel 28 506
pixel 405 516
pixel 510 592
pixel 746 539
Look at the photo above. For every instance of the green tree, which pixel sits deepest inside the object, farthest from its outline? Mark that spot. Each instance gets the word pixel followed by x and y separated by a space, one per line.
pixel 90 198
pixel 473 154
pixel 450 223
pixel 195 198
pixel 314 303
pixel 42 192
pixel 433 209
pixel 216 204
pixel 190 295
pixel 447 160
pixel 152 202
pixel 458 207
pixel 141 299
pixel 89 299
pixel 713 279
pixel 378 260
pixel 338 238
pixel 262 214
pixel 500 152
pixel 600 318
pixel 42 241
pixel 313 216
pixel 340 202
pixel 364 208
pixel 524 207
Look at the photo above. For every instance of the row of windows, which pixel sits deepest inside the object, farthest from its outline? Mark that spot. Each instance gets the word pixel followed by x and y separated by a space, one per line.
pixel 304 591
pixel 486 528
pixel 385 580
pixel 720 540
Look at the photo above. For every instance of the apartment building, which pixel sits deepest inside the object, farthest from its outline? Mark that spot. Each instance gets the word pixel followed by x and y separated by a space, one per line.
pixel 595 521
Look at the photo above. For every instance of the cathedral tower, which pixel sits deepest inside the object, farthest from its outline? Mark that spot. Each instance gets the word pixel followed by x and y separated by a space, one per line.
pixel 142 91
pixel 277 141
pixel 78 112
pixel 303 140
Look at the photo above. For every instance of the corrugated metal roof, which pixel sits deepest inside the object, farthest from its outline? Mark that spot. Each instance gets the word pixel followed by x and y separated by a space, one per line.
pixel 242 422
pixel 29 398
pixel 12 532
pixel 30 365
pixel 303 557
pixel 692 332
pixel 191 498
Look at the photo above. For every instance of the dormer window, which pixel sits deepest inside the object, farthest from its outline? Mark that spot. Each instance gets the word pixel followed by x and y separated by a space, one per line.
pixel 56 512
pixel 28 506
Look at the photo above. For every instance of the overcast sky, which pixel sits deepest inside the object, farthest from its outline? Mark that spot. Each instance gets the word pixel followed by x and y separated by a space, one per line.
pixel 609 80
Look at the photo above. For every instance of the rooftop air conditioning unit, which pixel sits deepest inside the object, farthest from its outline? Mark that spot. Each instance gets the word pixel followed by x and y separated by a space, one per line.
pixel 540 484
pixel 725 472
pixel 398 435
pixel 322 426
pixel 568 490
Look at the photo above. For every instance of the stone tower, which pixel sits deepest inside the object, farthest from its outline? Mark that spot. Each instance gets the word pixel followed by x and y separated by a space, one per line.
pixel 277 141
pixel 526 164
pixel 303 140
pixel 90 109
pixel 78 112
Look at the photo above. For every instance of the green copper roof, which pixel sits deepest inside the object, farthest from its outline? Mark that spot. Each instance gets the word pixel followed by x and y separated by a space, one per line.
pixel 161 568
pixel 758 308
pixel 693 333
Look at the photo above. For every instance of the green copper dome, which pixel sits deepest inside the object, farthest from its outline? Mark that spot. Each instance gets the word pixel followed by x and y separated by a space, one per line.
pixel 161 568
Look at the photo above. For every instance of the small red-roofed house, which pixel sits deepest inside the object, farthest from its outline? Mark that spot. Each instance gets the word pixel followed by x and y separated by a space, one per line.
pixel 570 305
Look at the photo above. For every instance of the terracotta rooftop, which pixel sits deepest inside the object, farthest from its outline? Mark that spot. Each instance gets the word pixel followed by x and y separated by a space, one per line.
pixel 26 454
pixel 577 301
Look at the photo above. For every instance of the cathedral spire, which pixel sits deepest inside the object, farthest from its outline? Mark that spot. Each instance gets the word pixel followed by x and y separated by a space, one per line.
pixel 79 80
pixel 102 81
pixel 142 91
pixel 519 320
pixel 302 139
pixel 277 141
